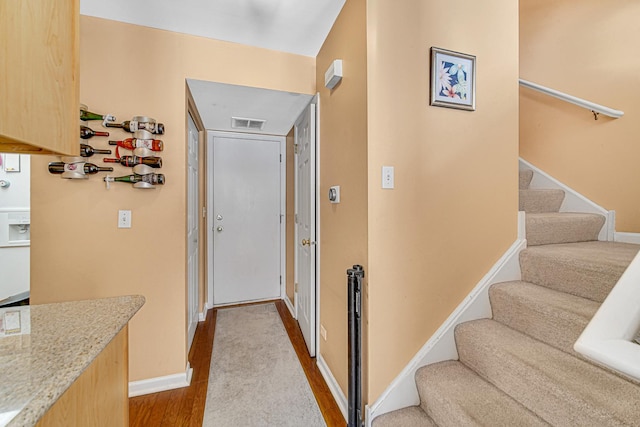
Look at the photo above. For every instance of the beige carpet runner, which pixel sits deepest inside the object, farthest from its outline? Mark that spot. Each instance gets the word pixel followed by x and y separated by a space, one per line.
pixel 255 378
pixel 519 368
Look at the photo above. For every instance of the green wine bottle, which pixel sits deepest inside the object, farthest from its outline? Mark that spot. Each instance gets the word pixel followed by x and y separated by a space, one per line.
pixel 88 115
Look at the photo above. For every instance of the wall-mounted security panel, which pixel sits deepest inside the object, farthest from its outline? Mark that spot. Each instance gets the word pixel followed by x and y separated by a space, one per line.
pixel 333 75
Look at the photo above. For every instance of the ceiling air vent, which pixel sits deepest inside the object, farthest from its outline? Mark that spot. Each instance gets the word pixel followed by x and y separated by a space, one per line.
pixel 247 124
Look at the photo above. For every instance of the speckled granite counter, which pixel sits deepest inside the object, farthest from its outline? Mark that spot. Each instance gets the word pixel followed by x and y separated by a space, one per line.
pixel 36 369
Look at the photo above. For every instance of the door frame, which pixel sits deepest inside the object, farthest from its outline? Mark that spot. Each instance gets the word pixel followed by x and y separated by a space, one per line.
pixel 315 170
pixel 210 136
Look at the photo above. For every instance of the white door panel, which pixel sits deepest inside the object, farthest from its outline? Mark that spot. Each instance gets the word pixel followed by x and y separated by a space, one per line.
pixel 305 130
pixel 246 220
pixel 193 231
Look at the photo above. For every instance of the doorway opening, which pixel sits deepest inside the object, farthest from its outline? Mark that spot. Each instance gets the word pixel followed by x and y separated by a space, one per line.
pixel 245 125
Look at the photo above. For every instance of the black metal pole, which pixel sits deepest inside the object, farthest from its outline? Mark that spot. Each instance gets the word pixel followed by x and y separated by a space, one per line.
pixel 354 301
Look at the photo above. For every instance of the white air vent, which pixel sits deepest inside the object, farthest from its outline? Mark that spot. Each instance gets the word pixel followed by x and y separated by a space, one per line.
pixel 247 124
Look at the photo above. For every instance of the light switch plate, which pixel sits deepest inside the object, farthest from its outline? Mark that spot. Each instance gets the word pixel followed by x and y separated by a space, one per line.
pixel 388 177
pixel 124 219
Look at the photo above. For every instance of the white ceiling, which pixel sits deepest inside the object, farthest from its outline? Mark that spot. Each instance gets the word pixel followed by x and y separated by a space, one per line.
pixel 218 102
pixel 295 26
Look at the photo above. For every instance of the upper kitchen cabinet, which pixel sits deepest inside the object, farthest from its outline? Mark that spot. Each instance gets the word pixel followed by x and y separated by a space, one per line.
pixel 39 76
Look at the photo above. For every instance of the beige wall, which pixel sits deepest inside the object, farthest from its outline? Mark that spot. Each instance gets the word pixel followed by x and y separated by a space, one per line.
pixel 77 251
pixel 587 49
pixel 343 161
pixel 453 211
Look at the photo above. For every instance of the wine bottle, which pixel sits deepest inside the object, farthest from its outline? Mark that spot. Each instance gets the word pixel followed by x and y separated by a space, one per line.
pixel 88 151
pixel 154 162
pixel 134 125
pixel 88 115
pixel 150 178
pixel 87 168
pixel 133 143
pixel 86 132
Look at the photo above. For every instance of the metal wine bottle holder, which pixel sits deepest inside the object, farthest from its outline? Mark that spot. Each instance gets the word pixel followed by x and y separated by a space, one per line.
pixel 78 166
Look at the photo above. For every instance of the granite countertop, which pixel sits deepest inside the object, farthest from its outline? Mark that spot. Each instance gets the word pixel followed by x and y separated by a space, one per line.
pixel 36 369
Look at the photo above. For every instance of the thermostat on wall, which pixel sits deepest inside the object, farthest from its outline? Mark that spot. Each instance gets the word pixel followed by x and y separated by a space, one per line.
pixel 334 194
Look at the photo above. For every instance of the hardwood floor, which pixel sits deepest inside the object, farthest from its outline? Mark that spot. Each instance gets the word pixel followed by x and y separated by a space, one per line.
pixel 185 406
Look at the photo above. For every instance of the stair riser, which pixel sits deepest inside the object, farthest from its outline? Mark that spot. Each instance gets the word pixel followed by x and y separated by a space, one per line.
pixel 554 385
pixel 539 201
pixel 553 230
pixel 558 324
pixel 525 177
pixel 452 395
pixel 589 281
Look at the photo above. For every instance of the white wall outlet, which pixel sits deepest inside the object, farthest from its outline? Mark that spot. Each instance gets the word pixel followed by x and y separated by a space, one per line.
pixel 124 219
pixel 323 332
pixel 388 177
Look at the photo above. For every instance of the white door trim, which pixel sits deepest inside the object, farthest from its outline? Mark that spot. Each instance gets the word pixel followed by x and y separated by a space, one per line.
pixel 316 100
pixel 210 208
pixel 193 277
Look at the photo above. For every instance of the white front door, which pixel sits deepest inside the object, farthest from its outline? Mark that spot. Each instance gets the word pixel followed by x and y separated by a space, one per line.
pixel 305 138
pixel 247 239
pixel 193 229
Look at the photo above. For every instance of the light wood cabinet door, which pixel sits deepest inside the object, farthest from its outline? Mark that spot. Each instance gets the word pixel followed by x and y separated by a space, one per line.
pixel 39 76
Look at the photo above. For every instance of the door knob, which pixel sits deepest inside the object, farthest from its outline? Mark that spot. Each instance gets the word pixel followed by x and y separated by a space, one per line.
pixel 306 242
pixel 219 229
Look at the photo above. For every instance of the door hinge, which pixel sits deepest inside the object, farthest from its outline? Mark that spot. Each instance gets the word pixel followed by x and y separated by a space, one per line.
pixel 280 158
pixel 281 280
pixel 296 219
pixel 204 212
pixel 295 287
pixel 295 148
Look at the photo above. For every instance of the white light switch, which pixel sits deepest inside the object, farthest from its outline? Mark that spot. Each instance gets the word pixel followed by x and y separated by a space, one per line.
pixel 387 177
pixel 124 219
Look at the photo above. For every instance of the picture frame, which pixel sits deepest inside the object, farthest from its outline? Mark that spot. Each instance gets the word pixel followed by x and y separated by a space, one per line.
pixel 453 79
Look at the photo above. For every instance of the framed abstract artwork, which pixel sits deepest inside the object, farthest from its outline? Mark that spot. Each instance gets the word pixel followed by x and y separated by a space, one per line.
pixel 453 79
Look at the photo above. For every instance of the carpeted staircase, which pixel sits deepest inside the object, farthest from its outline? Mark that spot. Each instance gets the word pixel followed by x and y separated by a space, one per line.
pixel 519 368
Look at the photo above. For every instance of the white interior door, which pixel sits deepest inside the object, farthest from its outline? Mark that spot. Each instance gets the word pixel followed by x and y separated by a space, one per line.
pixel 305 132
pixel 247 241
pixel 193 230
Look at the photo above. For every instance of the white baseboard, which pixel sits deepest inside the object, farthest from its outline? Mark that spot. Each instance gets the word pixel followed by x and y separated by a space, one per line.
pixel 157 384
pixel 203 315
pixel 289 305
pixel 335 389
pixel 627 237
pixel 402 392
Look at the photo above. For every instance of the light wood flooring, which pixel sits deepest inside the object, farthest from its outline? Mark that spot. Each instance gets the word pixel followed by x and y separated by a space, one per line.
pixel 185 406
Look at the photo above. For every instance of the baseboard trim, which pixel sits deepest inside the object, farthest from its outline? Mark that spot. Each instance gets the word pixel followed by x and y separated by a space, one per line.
pixel 203 314
pixel 290 306
pixel 402 392
pixel 627 237
pixel 157 384
pixel 335 389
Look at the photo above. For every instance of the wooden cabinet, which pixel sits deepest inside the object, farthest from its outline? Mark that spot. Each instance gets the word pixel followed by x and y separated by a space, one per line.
pixel 39 76
pixel 100 396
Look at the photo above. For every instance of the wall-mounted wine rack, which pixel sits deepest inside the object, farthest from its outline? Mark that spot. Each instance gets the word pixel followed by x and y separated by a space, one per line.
pixel 143 159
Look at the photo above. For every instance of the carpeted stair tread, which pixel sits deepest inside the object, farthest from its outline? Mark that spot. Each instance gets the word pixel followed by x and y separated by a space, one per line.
pixel 560 388
pixel 525 179
pixel 537 201
pixel 587 269
pixel 412 416
pixel 553 317
pixel 453 395
pixel 562 227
